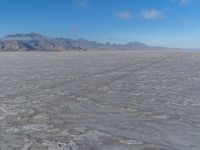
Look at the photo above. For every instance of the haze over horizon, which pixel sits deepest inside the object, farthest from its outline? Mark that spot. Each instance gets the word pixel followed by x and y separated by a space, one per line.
pixel 170 23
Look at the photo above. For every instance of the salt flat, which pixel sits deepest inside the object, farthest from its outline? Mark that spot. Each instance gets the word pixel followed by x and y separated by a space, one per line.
pixel 99 101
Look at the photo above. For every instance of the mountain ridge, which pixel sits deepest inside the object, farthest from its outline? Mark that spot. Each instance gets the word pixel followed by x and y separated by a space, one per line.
pixel 39 42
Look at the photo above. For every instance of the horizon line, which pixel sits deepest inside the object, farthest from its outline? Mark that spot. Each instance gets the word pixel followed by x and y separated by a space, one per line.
pixel 101 42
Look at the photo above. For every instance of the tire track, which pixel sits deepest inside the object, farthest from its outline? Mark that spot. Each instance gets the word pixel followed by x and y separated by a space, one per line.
pixel 116 78
pixel 64 83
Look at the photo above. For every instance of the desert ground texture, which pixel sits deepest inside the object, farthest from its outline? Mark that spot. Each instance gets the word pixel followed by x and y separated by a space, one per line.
pixel 99 101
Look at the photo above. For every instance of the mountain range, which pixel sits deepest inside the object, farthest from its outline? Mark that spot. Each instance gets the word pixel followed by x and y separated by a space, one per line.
pixel 38 42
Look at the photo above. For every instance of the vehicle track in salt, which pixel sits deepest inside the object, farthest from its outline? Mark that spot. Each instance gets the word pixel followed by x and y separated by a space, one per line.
pixel 83 93
pixel 86 76
pixel 93 88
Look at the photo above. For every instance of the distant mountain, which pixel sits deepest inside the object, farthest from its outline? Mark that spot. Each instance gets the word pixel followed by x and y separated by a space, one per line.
pixel 38 42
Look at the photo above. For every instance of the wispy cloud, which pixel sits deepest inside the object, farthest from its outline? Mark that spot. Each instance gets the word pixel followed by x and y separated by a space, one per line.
pixel 152 14
pixel 73 30
pixel 81 3
pixel 123 15
pixel 183 2
pixel 187 22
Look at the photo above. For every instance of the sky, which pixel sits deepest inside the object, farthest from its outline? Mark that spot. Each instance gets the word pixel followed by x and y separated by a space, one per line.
pixel 171 23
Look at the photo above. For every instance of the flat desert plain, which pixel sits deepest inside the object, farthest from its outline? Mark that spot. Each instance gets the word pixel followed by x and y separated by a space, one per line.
pixel 99 101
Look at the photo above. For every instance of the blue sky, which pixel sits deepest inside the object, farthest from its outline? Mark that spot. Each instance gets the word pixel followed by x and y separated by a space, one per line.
pixel 172 23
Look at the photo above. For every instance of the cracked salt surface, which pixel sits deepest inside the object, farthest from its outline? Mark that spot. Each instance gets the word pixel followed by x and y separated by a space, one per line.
pixel 99 101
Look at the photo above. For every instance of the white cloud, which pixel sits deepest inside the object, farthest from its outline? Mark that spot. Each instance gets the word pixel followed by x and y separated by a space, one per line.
pixel 187 22
pixel 81 3
pixel 123 15
pixel 183 2
pixel 152 14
